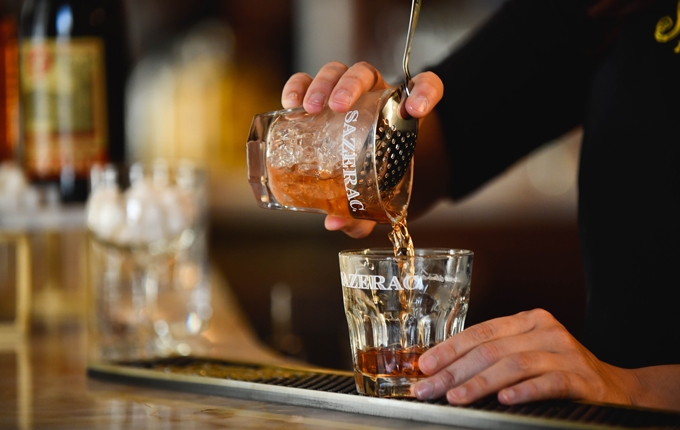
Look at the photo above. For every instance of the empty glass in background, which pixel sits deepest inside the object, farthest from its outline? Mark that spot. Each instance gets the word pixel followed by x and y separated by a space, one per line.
pixel 148 229
pixel 397 308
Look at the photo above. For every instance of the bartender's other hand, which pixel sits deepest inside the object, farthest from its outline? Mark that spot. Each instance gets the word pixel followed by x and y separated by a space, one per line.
pixel 340 86
pixel 525 357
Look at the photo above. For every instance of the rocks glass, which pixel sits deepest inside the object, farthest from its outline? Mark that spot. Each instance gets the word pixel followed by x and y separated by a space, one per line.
pixel 398 307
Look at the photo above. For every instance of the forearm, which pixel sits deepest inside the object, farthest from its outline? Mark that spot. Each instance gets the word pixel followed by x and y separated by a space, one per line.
pixel 659 387
pixel 432 167
pixel 518 82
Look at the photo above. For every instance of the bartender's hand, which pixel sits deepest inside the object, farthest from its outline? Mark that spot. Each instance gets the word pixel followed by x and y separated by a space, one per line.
pixel 525 357
pixel 340 86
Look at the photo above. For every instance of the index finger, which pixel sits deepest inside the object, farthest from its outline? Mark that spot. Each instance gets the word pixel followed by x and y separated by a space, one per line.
pixel 445 353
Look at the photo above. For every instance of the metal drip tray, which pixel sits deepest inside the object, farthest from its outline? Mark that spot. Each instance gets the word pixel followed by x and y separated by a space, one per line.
pixel 335 390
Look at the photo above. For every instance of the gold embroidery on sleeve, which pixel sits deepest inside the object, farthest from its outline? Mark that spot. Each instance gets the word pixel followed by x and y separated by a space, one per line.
pixel 667 31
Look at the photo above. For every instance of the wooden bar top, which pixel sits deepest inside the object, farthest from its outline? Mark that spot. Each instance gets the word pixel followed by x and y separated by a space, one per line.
pixel 44 384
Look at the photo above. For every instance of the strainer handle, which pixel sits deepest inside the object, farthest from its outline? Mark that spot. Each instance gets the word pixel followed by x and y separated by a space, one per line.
pixel 415 12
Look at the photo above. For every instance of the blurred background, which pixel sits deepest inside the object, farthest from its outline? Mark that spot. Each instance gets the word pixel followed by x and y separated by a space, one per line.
pixel 198 73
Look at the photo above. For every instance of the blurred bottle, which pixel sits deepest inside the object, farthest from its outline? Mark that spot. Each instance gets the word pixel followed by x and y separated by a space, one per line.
pixel 73 66
pixel 9 84
pixel 179 99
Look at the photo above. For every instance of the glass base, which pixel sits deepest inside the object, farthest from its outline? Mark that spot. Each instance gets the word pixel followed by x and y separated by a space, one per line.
pixel 384 386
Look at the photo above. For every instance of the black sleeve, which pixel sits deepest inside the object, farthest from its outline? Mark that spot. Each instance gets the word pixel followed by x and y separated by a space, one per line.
pixel 519 81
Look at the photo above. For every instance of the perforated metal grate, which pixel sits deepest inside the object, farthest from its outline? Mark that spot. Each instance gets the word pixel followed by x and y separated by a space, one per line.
pixel 336 390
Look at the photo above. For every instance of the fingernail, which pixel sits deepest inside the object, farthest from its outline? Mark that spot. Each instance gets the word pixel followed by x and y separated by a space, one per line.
pixel 507 396
pixel 419 104
pixel 317 99
pixel 457 395
pixel 428 363
pixel 343 97
pixel 423 390
pixel 292 100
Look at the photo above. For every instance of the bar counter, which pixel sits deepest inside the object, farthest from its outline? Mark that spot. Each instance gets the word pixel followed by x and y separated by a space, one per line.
pixel 44 384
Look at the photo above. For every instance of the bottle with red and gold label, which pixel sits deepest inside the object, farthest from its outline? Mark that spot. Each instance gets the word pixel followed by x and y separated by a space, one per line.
pixel 9 83
pixel 72 68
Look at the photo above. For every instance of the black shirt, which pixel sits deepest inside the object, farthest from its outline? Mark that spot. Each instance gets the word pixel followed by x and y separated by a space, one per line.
pixel 539 68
